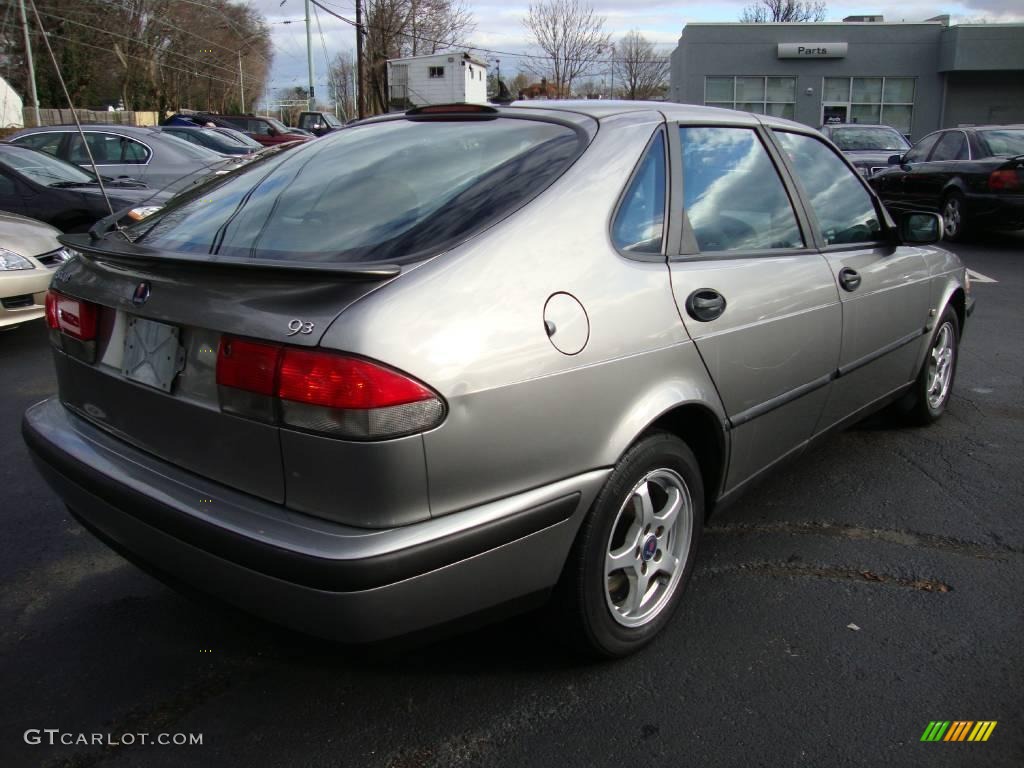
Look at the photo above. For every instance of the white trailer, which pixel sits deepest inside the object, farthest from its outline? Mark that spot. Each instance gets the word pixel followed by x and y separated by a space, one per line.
pixel 438 78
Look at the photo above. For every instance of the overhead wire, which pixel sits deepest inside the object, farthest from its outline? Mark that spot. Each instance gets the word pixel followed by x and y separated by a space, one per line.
pixel 467 46
pixel 136 41
pixel 138 58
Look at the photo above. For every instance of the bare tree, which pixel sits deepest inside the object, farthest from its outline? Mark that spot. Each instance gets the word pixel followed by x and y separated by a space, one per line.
pixel 571 36
pixel 341 79
pixel 519 84
pixel 146 54
pixel 396 28
pixel 639 67
pixel 764 11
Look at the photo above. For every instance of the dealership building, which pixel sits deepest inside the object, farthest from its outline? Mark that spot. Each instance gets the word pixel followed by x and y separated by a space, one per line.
pixel 916 77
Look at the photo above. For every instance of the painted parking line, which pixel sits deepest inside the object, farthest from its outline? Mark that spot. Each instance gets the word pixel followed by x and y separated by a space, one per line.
pixel 977 277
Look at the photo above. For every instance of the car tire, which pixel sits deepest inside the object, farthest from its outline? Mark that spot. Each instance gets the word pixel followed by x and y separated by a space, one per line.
pixel 955 226
pixel 929 396
pixel 606 610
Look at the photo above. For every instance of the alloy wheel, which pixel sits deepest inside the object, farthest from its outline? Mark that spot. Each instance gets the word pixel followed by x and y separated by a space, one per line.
pixel 645 557
pixel 940 366
pixel 951 215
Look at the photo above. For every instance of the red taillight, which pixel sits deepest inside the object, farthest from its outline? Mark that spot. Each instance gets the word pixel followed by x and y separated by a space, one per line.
pixel 74 317
pixel 336 381
pixel 322 391
pixel 248 365
pixel 1003 181
pixel 51 310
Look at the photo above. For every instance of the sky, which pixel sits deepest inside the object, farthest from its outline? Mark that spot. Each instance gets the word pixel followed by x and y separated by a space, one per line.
pixel 499 25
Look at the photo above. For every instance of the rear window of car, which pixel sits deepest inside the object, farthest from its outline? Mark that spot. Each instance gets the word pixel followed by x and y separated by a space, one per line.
pixel 868 139
pixel 392 191
pixel 1008 142
pixel 191 151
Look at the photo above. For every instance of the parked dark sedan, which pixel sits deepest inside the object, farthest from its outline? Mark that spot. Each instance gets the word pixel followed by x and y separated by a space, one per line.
pixel 40 186
pixel 237 136
pixel 266 130
pixel 973 176
pixel 868 147
pixel 209 138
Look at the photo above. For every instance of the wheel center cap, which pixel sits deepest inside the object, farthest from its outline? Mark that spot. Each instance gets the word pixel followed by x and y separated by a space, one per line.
pixel 649 548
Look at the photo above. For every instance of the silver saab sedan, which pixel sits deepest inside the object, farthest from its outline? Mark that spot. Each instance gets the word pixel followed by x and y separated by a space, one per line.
pixel 462 359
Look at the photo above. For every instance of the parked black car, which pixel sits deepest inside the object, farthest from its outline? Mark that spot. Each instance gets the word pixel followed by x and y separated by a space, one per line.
pixel 974 177
pixel 209 138
pixel 868 147
pixel 43 187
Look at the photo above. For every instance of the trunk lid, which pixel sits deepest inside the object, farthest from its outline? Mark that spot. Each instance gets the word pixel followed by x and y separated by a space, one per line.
pixel 189 305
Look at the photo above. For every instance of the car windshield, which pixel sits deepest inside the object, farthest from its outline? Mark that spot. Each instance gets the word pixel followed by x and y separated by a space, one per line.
pixel 238 137
pixel 1006 141
pixel 42 168
pixel 861 139
pixel 277 125
pixel 193 151
pixel 392 191
pixel 216 140
pixel 331 120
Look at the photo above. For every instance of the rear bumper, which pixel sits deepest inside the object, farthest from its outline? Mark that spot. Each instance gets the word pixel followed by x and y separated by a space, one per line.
pixel 997 211
pixel 320 577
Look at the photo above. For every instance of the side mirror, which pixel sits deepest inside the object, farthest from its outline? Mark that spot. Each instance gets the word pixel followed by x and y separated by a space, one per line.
pixel 921 228
pixel 895 159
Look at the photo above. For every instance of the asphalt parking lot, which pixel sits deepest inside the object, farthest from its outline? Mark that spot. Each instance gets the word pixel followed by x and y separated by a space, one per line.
pixel 864 591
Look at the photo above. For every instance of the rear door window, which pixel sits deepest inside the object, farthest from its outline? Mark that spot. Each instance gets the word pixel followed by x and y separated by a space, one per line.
pixel 952 146
pixel 46 142
pixel 639 223
pixel 732 193
pixel 843 207
pixel 391 191
pixel 107 149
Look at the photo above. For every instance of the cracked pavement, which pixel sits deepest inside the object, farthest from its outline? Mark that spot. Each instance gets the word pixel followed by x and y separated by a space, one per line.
pixel 913 536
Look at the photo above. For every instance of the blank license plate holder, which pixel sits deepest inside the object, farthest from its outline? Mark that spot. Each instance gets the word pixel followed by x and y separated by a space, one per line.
pixel 152 353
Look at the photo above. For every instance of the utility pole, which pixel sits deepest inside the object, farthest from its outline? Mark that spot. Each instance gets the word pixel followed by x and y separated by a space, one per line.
pixel 309 60
pixel 241 80
pixel 32 94
pixel 360 103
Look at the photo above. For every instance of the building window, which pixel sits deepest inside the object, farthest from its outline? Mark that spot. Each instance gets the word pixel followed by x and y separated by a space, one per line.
pixel 763 95
pixel 871 100
pixel 437 71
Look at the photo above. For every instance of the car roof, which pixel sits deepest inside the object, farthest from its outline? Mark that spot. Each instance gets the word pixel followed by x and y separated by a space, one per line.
pixel 129 129
pixel 600 109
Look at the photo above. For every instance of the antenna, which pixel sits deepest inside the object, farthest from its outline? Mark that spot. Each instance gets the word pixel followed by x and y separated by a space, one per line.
pixel 74 114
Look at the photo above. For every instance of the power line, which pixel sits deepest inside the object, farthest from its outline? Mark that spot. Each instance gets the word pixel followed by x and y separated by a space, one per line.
pixel 323 43
pixel 156 20
pixel 138 58
pixel 136 41
pixel 449 44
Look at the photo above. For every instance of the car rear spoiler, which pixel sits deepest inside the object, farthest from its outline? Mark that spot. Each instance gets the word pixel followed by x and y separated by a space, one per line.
pixel 124 251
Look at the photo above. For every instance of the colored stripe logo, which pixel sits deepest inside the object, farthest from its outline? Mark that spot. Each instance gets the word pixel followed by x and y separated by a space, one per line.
pixel 958 730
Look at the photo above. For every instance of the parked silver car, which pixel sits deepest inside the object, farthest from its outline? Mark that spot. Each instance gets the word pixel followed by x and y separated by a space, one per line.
pixel 162 161
pixel 29 254
pixel 455 359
